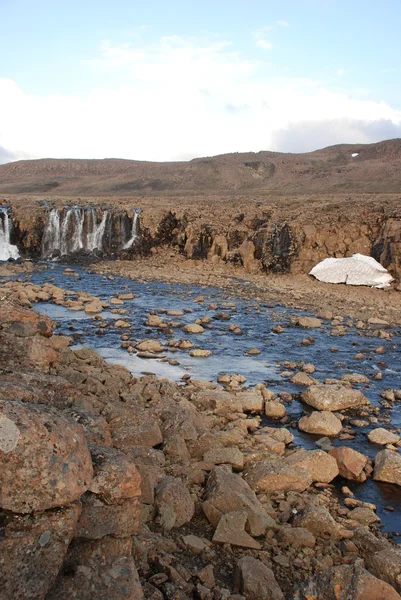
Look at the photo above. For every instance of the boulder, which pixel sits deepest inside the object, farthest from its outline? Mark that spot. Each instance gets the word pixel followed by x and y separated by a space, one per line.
pixel 382 437
pixel 133 427
pixel 386 564
pixel 388 467
pixel 320 423
pixel 231 456
pixel 296 537
pixel 268 476
pixel 350 463
pixel 174 503
pixel 200 353
pixel 98 570
pixel 348 582
pixel 303 380
pixel 255 581
pixel 231 530
pixel 321 466
pixel 319 521
pixel 115 476
pixel 193 328
pixel 308 322
pixel 44 458
pixel 99 519
pixel 333 397
pixel 32 549
pixel 275 410
pixel 149 346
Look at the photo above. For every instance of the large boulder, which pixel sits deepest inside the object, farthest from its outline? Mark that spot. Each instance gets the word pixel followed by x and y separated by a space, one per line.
pixel 347 582
pixel 32 549
pixel 320 423
pixel 388 467
pixel 321 466
pixel 174 503
pixel 226 493
pixel 98 570
pixel 255 581
pixel 351 463
pixel 44 458
pixel 382 437
pixel 269 476
pixel 333 397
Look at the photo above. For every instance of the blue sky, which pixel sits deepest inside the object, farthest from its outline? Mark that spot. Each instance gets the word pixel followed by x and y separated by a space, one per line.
pixel 173 80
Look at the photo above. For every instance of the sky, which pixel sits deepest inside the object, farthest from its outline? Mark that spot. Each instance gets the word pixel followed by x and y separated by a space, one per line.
pixel 174 80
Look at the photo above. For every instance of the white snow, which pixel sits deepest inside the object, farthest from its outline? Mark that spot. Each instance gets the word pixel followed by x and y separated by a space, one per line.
pixel 354 154
pixel 355 270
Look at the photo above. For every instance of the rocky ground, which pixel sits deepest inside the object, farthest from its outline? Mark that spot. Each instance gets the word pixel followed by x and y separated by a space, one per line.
pixel 123 488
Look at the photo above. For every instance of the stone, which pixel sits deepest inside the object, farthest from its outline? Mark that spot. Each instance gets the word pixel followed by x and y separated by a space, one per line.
pixel 365 516
pixel 98 570
pixel 333 397
pixel 133 427
pixel 115 476
pixel 94 307
pixel 320 423
pixel 321 466
pixel 193 328
pixel 382 437
pixel 271 444
pixel 99 519
pixel 121 324
pixel 154 321
pixel 220 402
pixel 268 476
pixel 231 456
pixel 200 353
pixel 275 410
pixel 174 503
pixel 296 537
pixel 227 492
pixel 149 346
pixel 350 463
pixel 388 467
pixel 194 544
pixel 255 581
pixel 302 379
pixel 44 458
pixel 251 400
pixel 386 564
pixel 32 549
pixel 308 322
pixel 348 582
pixel 319 521
pixel 281 434
pixel 231 530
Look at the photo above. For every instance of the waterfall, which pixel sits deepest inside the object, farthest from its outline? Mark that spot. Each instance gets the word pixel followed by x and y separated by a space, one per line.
pixel 134 231
pixel 65 235
pixel 7 250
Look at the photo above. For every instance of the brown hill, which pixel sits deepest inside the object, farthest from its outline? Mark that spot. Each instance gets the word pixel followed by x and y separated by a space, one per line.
pixel 374 168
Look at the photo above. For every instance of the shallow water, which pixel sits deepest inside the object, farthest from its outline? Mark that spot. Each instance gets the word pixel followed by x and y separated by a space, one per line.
pixel 256 322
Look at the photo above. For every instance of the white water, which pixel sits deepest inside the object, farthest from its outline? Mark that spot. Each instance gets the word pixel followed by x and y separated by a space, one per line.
pixel 65 234
pixel 7 250
pixel 134 232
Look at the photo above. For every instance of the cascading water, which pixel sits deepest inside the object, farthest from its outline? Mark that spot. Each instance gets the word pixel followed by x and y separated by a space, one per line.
pixel 7 250
pixel 74 230
pixel 134 231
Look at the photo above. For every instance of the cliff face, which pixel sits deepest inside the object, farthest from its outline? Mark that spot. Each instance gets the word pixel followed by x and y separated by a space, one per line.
pixel 281 236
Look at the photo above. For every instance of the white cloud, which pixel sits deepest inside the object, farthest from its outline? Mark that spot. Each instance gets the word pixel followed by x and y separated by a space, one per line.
pixel 283 23
pixel 264 44
pixel 179 99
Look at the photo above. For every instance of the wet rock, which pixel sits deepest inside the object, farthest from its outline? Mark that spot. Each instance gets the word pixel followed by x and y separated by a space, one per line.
pixel 149 346
pixel 174 503
pixel 32 549
pixel 321 423
pixel 121 324
pixel 115 476
pixel 355 378
pixel 44 458
pixel 226 493
pixel 276 476
pixel 302 379
pixel 351 463
pixel 348 582
pixel 98 570
pixel 200 353
pixel 333 397
pixel 382 437
pixel 275 410
pixel 321 466
pixel 308 322
pixel 193 328
pixel 255 581
pixel 388 467
pixel 231 530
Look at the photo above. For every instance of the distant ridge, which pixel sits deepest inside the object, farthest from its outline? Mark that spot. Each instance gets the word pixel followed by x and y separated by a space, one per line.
pixel 362 168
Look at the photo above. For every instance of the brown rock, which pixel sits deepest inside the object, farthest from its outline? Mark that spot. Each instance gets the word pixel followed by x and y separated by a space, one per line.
pixel 333 397
pixel 231 530
pixel 275 410
pixel 382 437
pixel 296 537
pixel 133 427
pixel 32 549
pixel 388 467
pixel 320 522
pixel 99 519
pixel 320 423
pixel 321 466
pixel 276 476
pixel 308 322
pixel 174 503
pixel 255 581
pixel 351 463
pixel 231 456
pixel 115 477
pixel 44 458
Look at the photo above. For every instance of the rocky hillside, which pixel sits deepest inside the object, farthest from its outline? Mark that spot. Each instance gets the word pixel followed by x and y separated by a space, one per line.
pixel 371 168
